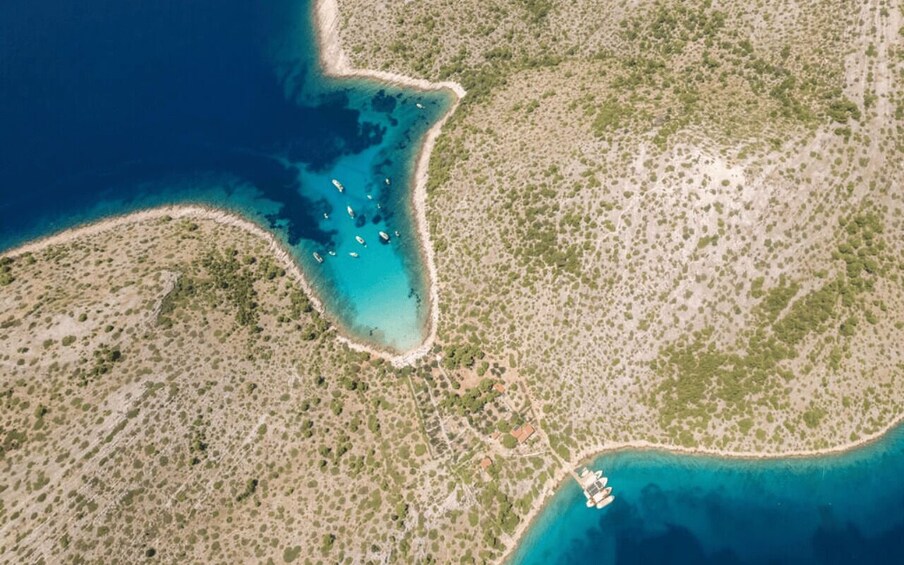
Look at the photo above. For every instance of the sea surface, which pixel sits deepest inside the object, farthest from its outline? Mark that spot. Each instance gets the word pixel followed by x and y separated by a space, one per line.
pixel 110 106
pixel 846 508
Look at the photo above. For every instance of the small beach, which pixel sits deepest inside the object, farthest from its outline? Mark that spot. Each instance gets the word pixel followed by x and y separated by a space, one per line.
pixel 677 225
pixel 335 63
pixel 366 128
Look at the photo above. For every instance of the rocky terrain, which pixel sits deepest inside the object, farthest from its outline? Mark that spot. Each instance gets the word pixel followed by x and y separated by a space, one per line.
pixel 678 221
pixel 654 223
pixel 169 393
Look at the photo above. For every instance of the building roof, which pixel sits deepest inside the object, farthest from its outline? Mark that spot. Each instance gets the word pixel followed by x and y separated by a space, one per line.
pixel 523 432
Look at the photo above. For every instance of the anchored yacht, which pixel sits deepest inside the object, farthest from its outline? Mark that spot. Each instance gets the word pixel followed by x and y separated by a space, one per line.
pixel 593 483
pixel 351 213
pixel 338 185
pixel 318 257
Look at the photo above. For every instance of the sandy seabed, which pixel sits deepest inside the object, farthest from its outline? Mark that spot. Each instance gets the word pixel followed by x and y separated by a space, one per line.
pixel 334 63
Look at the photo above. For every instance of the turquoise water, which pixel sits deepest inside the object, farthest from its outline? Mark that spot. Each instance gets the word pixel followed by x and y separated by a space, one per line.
pixel 108 107
pixel 845 508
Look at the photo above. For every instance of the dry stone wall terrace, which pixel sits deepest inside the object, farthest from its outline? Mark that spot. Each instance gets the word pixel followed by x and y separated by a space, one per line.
pixel 168 391
pixel 629 178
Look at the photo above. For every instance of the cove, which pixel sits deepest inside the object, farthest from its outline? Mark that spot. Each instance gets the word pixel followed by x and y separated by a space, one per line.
pixel 673 508
pixel 109 107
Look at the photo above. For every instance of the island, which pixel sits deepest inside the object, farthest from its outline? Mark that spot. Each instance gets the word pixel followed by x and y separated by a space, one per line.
pixel 660 225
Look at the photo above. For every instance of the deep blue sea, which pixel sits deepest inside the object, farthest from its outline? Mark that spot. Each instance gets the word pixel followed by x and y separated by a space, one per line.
pixel 109 106
pixel 680 509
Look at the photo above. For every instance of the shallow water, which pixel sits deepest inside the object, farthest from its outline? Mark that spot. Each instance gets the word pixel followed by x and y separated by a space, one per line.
pixel 111 106
pixel 845 508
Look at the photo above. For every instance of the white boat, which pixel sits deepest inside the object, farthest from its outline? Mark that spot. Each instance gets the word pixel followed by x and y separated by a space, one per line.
pixel 326 216
pixel 353 254
pixel 360 240
pixel 419 106
pixel 338 185
pixel 384 235
pixel 379 207
pixel 369 197
pixel 596 495
pixel 331 252
pixel 588 477
pixel 387 181
pixel 318 257
pixel 351 213
pixel 593 483
pixel 397 233
pixel 605 502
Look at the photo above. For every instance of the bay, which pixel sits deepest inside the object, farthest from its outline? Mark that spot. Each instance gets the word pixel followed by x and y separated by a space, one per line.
pixel 673 508
pixel 109 107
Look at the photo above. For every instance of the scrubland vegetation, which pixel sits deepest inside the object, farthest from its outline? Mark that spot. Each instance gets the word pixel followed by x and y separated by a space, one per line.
pixel 169 393
pixel 650 212
pixel 678 222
